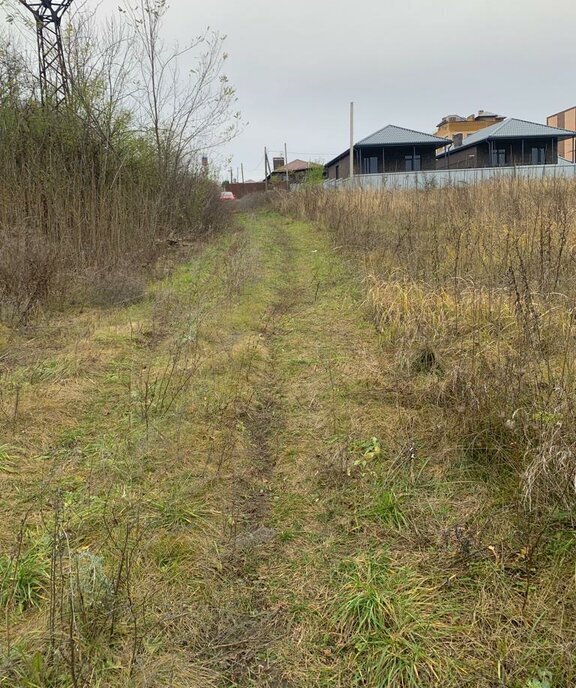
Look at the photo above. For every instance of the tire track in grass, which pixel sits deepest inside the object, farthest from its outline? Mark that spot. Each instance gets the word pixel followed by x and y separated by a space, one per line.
pixel 300 507
pixel 256 624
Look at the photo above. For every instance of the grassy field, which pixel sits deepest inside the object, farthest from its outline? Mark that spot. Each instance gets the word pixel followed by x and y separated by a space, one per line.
pixel 268 472
pixel 471 293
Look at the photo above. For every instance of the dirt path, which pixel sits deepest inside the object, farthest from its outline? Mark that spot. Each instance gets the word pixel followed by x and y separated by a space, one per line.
pixel 255 624
pixel 304 416
pixel 232 460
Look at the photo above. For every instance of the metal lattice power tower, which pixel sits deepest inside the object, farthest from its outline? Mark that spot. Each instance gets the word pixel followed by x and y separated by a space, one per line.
pixel 52 65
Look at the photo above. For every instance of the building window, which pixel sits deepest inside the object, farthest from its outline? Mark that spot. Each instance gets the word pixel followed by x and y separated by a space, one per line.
pixel 498 157
pixel 370 165
pixel 337 172
pixel 413 163
pixel 538 156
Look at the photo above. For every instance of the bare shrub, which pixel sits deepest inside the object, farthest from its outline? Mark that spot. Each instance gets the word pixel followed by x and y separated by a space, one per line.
pixel 29 270
pixel 115 287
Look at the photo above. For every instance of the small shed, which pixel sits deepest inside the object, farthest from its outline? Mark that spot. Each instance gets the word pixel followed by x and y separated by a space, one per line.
pixel 391 149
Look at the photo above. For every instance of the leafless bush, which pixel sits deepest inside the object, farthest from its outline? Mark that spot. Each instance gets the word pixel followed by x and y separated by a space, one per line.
pixel 115 287
pixel 29 272
pixel 102 183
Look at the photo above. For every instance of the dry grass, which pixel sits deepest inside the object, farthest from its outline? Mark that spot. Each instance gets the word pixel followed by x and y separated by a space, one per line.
pixel 116 491
pixel 474 289
pixel 240 481
pixel 472 293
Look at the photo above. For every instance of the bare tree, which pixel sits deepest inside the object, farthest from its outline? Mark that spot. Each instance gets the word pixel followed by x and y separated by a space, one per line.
pixel 187 113
pixel 15 78
pixel 102 63
pixel 124 74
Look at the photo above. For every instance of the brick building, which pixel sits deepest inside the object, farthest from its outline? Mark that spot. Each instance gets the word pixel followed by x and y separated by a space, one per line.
pixel 566 119
pixel 458 128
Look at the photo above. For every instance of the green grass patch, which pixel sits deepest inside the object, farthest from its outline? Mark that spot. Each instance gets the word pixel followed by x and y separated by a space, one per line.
pixel 24 577
pixel 391 624
pixel 387 509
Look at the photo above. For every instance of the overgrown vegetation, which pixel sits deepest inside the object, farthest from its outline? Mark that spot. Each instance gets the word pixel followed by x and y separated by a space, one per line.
pixel 239 480
pixel 471 291
pixel 239 475
pixel 106 527
pixel 90 191
pixel 115 480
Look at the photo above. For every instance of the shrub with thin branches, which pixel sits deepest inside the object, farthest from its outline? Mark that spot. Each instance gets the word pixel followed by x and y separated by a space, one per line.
pixel 96 188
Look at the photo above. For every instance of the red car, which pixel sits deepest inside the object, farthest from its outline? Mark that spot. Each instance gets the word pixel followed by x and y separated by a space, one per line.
pixel 227 196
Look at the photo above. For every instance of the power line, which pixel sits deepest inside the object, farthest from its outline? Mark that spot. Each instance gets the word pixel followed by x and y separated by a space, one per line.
pixel 325 155
pixel 257 168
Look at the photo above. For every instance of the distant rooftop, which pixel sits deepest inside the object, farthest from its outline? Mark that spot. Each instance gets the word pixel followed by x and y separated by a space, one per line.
pixel 392 135
pixel 512 128
pixel 297 166
pixel 482 114
pixel 516 128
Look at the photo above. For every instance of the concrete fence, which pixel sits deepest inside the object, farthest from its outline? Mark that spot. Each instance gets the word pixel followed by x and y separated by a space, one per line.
pixel 439 178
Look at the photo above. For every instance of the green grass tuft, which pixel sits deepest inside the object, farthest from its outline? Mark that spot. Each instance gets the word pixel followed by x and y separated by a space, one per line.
pixel 387 510
pixel 394 635
pixel 23 579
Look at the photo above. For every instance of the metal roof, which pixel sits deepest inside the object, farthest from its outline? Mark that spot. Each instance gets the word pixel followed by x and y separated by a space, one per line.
pixel 297 166
pixel 399 136
pixel 512 128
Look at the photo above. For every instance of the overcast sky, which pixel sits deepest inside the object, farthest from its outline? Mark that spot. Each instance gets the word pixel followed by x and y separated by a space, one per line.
pixel 297 64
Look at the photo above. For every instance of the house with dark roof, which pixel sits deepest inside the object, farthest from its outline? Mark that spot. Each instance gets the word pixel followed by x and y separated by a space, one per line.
pixel 507 143
pixel 391 149
pixel 298 170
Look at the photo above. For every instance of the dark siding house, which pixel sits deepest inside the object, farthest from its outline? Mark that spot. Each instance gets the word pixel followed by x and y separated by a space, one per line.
pixel 391 149
pixel 508 143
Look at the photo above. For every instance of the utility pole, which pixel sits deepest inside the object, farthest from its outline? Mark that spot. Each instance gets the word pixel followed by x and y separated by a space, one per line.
pixel 231 177
pixel 351 140
pixel 265 168
pixel 242 170
pixel 286 167
pixel 48 15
